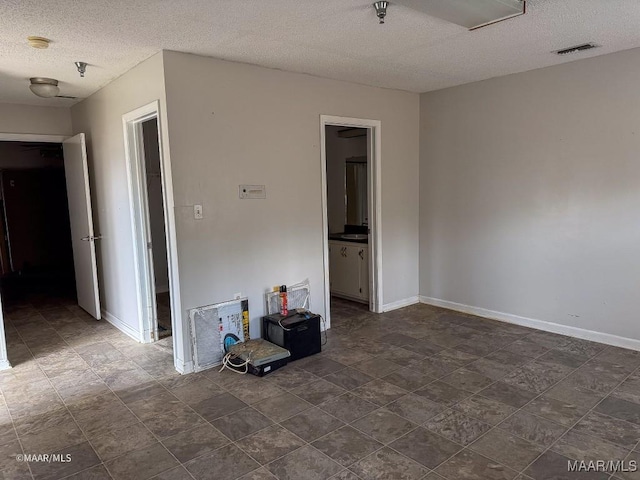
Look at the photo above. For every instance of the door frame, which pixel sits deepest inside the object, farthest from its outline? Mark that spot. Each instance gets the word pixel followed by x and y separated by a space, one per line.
pixel 374 194
pixel 143 263
pixel 20 137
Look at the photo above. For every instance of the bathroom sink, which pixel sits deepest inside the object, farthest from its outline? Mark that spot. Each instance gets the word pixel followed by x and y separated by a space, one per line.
pixel 354 236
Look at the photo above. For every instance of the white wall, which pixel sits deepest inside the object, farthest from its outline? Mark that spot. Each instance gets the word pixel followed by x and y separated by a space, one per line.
pixel 36 120
pixel 338 150
pixel 100 117
pixel 530 194
pixel 232 124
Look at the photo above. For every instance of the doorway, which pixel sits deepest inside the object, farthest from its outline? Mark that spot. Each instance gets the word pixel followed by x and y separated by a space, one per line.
pixel 153 227
pixel 350 162
pixel 40 272
pixel 36 254
pixel 159 264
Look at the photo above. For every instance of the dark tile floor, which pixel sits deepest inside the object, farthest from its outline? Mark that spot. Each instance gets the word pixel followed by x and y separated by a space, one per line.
pixel 163 312
pixel 418 393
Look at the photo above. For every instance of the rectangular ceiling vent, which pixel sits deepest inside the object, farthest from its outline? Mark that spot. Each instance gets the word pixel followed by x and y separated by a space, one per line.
pixel 576 49
pixel 472 14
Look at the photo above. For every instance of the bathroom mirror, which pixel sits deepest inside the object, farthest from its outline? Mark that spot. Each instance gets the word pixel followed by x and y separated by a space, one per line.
pixel 356 191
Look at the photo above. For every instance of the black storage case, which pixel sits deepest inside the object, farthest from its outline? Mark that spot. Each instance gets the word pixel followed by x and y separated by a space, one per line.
pixel 263 370
pixel 297 332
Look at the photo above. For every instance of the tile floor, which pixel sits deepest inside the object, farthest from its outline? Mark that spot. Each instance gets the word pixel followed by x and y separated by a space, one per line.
pixel 418 393
pixel 163 312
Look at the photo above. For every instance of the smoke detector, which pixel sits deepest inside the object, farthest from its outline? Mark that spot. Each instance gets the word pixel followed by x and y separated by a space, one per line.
pixel 38 42
pixel 576 49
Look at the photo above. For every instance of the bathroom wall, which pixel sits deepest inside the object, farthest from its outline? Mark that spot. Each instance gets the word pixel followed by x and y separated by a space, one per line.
pixel 338 150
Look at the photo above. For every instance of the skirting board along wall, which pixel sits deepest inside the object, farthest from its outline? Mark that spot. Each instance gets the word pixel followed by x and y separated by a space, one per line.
pixel 537 324
pixel 120 325
pixel 181 365
pixel 405 302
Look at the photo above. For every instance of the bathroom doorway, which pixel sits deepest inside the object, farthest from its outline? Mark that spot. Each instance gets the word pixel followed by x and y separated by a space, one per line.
pixel 350 161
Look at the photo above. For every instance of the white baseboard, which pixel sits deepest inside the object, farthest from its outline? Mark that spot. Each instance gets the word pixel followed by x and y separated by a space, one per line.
pixel 350 298
pixel 123 327
pixel 576 332
pixel 183 367
pixel 5 365
pixel 405 302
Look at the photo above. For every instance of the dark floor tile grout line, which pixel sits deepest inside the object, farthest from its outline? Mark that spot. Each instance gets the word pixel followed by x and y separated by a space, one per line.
pixel 476 393
pixel 327 434
pixel 47 376
pixel 343 426
pixel 546 449
pixel 493 427
pixel 472 394
pixel 344 393
pixel 581 418
pixel 64 403
pixel 111 390
pixel 521 409
pixel 141 422
pixel 422 425
pixel 158 439
pixel 9 410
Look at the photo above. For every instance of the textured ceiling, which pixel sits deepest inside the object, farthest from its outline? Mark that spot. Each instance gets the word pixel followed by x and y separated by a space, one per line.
pixel 338 39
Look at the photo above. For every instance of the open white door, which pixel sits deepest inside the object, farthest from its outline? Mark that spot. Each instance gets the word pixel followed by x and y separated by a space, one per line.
pixel 81 217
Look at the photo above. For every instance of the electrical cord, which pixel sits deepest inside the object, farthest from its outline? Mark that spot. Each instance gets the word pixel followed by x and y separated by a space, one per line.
pixel 228 364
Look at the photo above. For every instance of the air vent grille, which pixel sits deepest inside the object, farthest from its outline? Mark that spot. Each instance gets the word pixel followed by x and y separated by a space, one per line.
pixel 298 296
pixel 212 326
pixel 576 49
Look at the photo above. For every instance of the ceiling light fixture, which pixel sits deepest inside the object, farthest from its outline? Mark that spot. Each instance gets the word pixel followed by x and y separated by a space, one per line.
pixel 82 67
pixel 38 42
pixel 44 87
pixel 381 10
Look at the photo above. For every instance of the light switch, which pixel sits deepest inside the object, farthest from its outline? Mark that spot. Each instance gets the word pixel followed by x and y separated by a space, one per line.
pixel 197 212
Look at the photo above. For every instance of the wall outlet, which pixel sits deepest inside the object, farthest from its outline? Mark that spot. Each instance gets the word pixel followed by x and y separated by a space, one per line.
pixel 197 212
